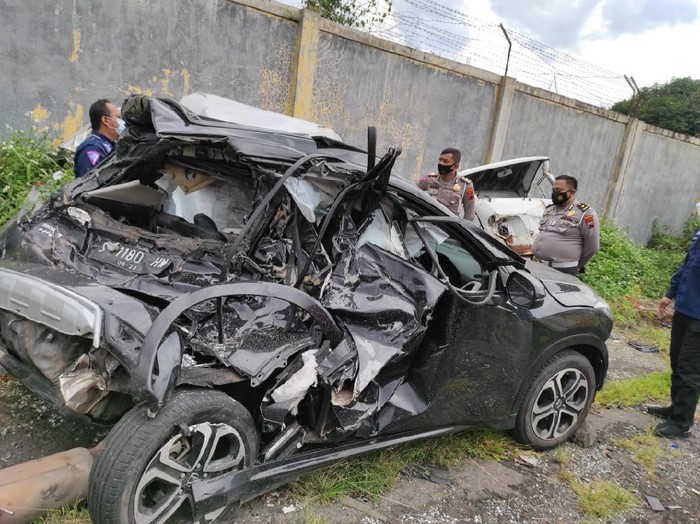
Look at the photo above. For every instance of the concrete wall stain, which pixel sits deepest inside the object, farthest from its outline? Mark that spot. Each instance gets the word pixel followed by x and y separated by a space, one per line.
pixel 164 83
pixel 76 46
pixel 39 114
pixel 185 75
pixel 329 91
pixel 274 88
pixel 136 90
pixel 73 122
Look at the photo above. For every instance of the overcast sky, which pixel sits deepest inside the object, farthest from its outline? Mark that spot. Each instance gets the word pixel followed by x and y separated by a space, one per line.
pixel 651 40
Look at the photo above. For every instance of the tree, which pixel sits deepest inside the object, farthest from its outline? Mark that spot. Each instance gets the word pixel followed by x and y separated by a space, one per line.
pixel 352 13
pixel 674 105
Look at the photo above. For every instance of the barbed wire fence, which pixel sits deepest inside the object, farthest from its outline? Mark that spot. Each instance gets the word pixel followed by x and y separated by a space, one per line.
pixel 432 27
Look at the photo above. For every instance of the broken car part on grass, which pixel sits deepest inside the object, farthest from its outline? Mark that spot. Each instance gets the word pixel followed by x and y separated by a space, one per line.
pixel 249 304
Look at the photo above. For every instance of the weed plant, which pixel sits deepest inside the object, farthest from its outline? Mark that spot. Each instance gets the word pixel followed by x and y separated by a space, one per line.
pixel 27 160
pixel 647 451
pixel 603 499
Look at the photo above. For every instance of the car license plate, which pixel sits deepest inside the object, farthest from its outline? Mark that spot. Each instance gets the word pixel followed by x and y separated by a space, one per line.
pixel 129 258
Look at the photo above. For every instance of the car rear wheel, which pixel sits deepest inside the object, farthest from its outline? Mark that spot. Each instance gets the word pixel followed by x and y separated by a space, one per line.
pixel 144 473
pixel 557 401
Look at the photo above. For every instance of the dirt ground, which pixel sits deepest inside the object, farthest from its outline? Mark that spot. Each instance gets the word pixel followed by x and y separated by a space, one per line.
pixel 526 489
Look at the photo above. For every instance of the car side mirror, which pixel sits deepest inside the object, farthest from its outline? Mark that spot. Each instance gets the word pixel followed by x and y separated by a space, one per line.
pixel 524 290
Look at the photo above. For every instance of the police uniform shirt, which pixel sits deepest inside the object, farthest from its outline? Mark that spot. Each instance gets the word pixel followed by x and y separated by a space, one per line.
pixel 91 152
pixel 568 233
pixel 451 193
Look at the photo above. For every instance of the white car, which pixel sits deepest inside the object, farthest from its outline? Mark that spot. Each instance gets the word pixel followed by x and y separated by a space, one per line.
pixel 512 197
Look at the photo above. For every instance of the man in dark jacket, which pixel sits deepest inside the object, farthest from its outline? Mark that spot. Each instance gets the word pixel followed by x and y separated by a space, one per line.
pixel 685 346
pixel 107 125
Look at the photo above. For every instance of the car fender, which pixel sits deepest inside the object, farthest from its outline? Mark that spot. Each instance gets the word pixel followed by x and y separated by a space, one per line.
pixel 590 346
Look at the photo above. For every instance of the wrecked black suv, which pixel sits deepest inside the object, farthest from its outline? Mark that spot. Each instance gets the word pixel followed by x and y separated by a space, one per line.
pixel 249 304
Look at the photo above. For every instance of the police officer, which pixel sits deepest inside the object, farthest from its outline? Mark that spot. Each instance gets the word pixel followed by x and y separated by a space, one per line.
pixel 685 346
pixel 569 231
pixel 447 188
pixel 107 125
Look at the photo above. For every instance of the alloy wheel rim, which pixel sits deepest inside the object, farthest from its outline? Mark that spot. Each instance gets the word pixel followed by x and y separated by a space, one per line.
pixel 559 404
pixel 164 491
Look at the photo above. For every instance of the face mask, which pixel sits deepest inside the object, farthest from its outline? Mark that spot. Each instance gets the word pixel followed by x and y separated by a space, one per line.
pixel 121 125
pixel 443 169
pixel 559 198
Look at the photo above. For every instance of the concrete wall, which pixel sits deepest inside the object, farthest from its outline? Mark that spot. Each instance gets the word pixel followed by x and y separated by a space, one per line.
pixel 57 57
pixel 579 143
pixel 420 109
pixel 661 183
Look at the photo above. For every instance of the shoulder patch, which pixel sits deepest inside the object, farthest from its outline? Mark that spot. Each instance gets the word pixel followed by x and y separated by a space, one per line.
pixel 93 156
pixel 583 207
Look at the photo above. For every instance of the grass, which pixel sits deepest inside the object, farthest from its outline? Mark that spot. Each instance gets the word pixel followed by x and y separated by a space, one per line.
pixel 602 499
pixel 77 514
pixel 646 451
pixel 562 456
pixel 372 475
pixel 630 392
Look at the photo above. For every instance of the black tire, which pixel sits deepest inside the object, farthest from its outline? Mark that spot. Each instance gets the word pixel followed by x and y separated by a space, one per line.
pixel 141 475
pixel 557 401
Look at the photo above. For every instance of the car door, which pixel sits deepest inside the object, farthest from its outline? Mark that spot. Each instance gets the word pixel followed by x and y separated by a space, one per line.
pixel 477 348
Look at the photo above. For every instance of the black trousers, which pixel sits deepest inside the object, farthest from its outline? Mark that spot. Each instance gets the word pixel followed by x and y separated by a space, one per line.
pixel 685 369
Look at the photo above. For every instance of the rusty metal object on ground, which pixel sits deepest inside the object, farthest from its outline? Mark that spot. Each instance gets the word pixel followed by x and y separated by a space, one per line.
pixel 30 489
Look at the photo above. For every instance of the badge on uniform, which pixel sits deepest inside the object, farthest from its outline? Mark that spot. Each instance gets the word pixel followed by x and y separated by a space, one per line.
pixel 93 157
pixel 570 213
pixel 457 188
pixel 590 223
pixel 470 192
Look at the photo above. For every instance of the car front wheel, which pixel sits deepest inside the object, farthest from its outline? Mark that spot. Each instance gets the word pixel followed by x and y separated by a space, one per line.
pixel 557 401
pixel 146 469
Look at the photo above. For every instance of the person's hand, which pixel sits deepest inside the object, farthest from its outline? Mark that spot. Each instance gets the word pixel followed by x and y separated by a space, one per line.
pixel 663 307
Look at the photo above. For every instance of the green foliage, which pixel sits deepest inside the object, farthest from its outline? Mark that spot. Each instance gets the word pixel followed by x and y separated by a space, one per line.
pixel 665 241
pixel 27 160
pixel 634 391
pixel 622 268
pixel 674 105
pixel 352 13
